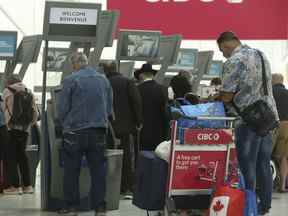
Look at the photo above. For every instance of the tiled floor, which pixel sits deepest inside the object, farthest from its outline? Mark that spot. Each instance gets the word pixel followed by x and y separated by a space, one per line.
pixel 29 205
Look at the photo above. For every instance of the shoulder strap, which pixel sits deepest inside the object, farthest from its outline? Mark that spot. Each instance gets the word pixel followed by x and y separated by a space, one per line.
pixel 264 78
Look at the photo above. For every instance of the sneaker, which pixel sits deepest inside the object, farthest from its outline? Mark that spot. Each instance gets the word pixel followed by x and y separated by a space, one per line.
pixel 68 212
pixel 128 195
pixel 28 190
pixel 12 191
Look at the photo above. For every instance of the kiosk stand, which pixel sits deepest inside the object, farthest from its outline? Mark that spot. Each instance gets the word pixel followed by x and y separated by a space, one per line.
pixel 85 26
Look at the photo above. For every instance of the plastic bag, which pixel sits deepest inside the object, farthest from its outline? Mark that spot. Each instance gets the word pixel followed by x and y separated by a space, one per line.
pixel 163 150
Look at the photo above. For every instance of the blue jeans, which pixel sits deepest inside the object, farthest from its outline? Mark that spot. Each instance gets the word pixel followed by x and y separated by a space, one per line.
pixel 254 154
pixel 92 144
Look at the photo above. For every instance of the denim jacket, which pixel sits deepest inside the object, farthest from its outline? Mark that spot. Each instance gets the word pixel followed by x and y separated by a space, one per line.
pixel 85 101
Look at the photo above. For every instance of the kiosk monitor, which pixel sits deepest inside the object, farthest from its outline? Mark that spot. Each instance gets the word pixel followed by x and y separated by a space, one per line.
pixel 203 65
pixel 8 44
pixel 138 45
pixel 186 60
pixel 29 48
pixel 169 48
pixel 215 70
pixel 56 58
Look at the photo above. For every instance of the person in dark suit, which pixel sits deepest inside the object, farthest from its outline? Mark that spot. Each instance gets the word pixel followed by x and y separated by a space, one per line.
pixel 128 118
pixel 154 100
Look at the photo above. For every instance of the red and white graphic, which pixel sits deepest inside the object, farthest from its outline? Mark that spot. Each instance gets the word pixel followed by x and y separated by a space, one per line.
pixel 207 136
pixel 197 170
pixel 219 206
pixel 206 19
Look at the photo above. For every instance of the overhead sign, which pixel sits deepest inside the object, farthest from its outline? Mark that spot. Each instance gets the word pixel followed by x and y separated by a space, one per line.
pixel 8 43
pixel 66 21
pixel 73 16
pixel 206 19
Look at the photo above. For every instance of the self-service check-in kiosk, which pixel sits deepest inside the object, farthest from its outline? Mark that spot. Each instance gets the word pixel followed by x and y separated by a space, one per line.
pixel 85 26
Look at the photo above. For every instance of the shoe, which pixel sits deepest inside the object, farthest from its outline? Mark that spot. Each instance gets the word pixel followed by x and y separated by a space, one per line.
pixel 28 190
pixel 12 191
pixel 128 195
pixel 100 212
pixel 263 211
pixel 68 212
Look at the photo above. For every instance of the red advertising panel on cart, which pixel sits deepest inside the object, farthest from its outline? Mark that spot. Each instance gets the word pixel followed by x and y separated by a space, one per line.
pixel 200 19
pixel 201 170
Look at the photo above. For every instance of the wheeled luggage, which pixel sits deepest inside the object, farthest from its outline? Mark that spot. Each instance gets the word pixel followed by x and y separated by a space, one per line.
pixel 151 179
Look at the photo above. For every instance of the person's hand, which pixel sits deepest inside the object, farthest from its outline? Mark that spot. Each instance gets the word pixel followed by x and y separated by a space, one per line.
pixel 215 97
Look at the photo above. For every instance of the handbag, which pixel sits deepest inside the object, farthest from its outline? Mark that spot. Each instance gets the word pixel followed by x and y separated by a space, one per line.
pixel 227 201
pixel 259 116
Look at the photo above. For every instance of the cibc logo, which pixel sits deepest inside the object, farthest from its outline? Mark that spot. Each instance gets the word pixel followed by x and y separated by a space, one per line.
pixel 208 136
pixel 205 1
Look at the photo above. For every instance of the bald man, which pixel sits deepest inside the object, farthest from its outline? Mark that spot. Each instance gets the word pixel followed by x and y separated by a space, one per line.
pixel 280 152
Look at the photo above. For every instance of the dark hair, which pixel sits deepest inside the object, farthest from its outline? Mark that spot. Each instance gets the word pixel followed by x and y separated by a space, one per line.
pixel 180 85
pixel 227 36
pixel 109 67
pixel 216 81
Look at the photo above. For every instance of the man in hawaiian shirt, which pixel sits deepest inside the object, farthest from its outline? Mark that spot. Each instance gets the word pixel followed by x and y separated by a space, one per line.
pixel 242 85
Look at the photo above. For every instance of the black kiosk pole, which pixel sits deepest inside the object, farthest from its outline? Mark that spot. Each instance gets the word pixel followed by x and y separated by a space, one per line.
pixel 44 146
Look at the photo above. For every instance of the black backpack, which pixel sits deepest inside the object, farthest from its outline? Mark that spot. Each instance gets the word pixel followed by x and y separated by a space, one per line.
pixel 22 111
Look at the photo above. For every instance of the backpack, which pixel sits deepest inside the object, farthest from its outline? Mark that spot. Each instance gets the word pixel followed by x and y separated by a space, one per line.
pixel 22 111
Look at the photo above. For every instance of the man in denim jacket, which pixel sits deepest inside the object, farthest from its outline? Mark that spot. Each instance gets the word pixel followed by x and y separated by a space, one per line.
pixel 85 103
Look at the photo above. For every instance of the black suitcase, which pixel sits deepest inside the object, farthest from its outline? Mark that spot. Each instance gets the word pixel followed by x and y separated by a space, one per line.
pixel 151 181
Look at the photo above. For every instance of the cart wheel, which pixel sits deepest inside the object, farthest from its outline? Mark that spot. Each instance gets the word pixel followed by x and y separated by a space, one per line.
pixel 275 174
pixel 273 170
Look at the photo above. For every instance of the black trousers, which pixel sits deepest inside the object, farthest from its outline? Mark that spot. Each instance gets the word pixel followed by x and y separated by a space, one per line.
pixel 17 158
pixel 4 141
pixel 129 147
pixel 3 156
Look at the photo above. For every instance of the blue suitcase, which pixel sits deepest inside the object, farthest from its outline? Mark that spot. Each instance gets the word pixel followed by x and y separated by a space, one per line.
pixel 151 181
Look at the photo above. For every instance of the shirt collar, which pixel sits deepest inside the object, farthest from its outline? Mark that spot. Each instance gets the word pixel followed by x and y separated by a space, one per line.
pixel 238 48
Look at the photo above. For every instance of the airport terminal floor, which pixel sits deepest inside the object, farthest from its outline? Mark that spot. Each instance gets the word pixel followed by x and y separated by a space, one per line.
pixel 29 205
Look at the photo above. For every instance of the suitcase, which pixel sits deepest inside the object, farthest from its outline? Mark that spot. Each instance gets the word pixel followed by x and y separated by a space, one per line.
pixel 151 180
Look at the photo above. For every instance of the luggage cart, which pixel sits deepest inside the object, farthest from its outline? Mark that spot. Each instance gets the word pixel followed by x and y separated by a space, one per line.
pixel 200 159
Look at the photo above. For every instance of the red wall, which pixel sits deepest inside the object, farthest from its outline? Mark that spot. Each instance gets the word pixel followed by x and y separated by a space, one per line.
pixel 252 19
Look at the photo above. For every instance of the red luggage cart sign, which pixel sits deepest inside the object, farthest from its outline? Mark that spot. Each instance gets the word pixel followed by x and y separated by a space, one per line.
pixel 207 136
pixel 200 170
